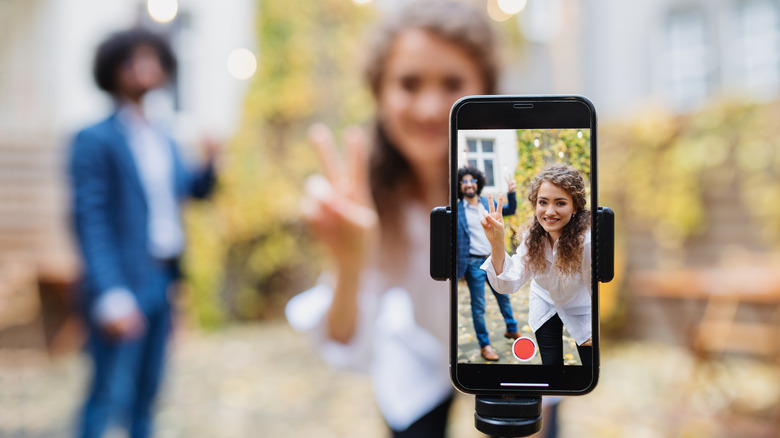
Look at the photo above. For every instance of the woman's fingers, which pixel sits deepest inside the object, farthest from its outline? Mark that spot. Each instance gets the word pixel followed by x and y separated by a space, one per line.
pixel 322 197
pixel 337 204
pixel 491 208
pixel 494 229
pixel 357 161
pixel 500 207
pixel 318 187
pixel 349 176
pixel 325 146
pixel 484 222
pixel 489 220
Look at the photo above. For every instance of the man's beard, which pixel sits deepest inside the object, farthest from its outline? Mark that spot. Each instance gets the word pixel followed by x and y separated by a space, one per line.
pixel 470 194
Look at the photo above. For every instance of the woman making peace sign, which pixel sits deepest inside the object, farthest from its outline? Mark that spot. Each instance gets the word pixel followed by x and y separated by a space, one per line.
pixel 379 311
pixel 554 253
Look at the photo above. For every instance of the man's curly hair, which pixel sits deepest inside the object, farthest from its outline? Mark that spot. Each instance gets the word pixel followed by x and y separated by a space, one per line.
pixel 118 48
pixel 569 258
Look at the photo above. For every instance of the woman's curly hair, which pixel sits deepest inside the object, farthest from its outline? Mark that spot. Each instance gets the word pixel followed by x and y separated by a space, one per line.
pixel 569 258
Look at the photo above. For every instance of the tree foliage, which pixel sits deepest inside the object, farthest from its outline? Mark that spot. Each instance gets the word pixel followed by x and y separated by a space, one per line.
pixel 249 250
pixel 658 170
pixel 540 148
pixel 659 167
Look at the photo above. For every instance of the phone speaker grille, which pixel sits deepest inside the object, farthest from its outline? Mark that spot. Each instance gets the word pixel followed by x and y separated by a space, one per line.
pixel 523 106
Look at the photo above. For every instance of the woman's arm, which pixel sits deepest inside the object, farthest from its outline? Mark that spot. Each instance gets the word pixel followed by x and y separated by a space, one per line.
pixel 340 214
pixel 513 275
pixel 341 319
pixel 506 274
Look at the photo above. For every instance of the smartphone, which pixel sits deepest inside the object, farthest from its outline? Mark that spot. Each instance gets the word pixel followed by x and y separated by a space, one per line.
pixel 542 324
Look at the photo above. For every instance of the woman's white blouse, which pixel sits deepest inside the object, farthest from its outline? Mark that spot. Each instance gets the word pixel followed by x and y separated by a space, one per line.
pixel 569 297
pixel 402 331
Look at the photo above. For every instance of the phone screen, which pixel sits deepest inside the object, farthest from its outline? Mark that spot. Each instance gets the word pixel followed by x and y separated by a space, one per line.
pixel 528 323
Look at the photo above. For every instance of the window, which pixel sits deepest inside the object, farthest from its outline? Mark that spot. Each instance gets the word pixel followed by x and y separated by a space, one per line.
pixel 688 71
pixel 758 47
pixel 481 154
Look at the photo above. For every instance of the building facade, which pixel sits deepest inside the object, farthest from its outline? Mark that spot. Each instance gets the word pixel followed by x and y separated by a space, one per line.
pixel 626 56
pixel 47 93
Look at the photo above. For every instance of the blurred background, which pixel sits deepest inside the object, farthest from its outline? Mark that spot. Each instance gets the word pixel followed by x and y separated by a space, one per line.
pixel 687 96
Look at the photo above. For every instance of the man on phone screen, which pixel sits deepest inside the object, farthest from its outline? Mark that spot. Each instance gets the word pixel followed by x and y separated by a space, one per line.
pixel 474 249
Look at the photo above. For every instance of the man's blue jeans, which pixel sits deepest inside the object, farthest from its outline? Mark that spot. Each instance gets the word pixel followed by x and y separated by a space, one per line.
pixel 127 374
pixel 476 279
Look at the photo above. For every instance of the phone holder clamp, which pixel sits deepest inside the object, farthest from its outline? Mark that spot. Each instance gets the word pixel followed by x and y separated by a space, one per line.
pixel 443 247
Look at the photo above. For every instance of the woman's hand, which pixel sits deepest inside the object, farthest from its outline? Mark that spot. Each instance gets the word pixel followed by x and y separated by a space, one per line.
pixel 342 217
pixel 338 205
pixel 493 223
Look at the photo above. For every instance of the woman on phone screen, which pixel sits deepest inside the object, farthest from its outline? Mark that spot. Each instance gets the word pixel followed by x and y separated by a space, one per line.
pixel 378 310
pixel 554 253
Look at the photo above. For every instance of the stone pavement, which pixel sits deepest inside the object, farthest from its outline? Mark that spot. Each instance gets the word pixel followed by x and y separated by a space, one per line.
pixel 468 346
pixel 263 379
pixel 242 381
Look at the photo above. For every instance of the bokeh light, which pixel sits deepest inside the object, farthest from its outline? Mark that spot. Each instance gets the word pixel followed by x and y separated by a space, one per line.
pixel 495 12
pixel 512 7
pixel 162 11
pixel 242 63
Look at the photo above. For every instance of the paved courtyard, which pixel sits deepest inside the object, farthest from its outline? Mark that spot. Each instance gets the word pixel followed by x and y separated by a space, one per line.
pixel 264 380
pixel 469 351
pixel 252 380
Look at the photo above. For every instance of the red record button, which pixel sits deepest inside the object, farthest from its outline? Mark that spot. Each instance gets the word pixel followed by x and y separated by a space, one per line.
pixel 524 349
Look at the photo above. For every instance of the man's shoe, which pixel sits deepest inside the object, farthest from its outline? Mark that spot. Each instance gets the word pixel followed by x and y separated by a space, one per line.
pixel 489 353
pixel 512 336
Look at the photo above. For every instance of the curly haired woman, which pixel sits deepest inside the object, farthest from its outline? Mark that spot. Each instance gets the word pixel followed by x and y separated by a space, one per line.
pixel 555 254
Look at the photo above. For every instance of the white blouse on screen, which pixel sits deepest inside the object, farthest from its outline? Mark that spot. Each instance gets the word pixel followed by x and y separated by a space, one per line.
pixel 569 297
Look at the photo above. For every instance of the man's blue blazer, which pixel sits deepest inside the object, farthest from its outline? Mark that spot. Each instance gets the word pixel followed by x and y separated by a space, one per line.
pixel 464 243
pixel 110 214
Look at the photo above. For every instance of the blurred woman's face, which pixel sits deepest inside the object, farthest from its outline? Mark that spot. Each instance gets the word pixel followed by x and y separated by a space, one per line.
pixel 424 74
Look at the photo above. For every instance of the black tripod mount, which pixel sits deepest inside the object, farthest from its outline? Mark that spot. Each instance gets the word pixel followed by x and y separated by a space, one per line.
pixel 508 416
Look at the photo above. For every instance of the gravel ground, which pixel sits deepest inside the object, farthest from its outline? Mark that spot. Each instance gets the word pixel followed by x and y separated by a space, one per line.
pixel 265 380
